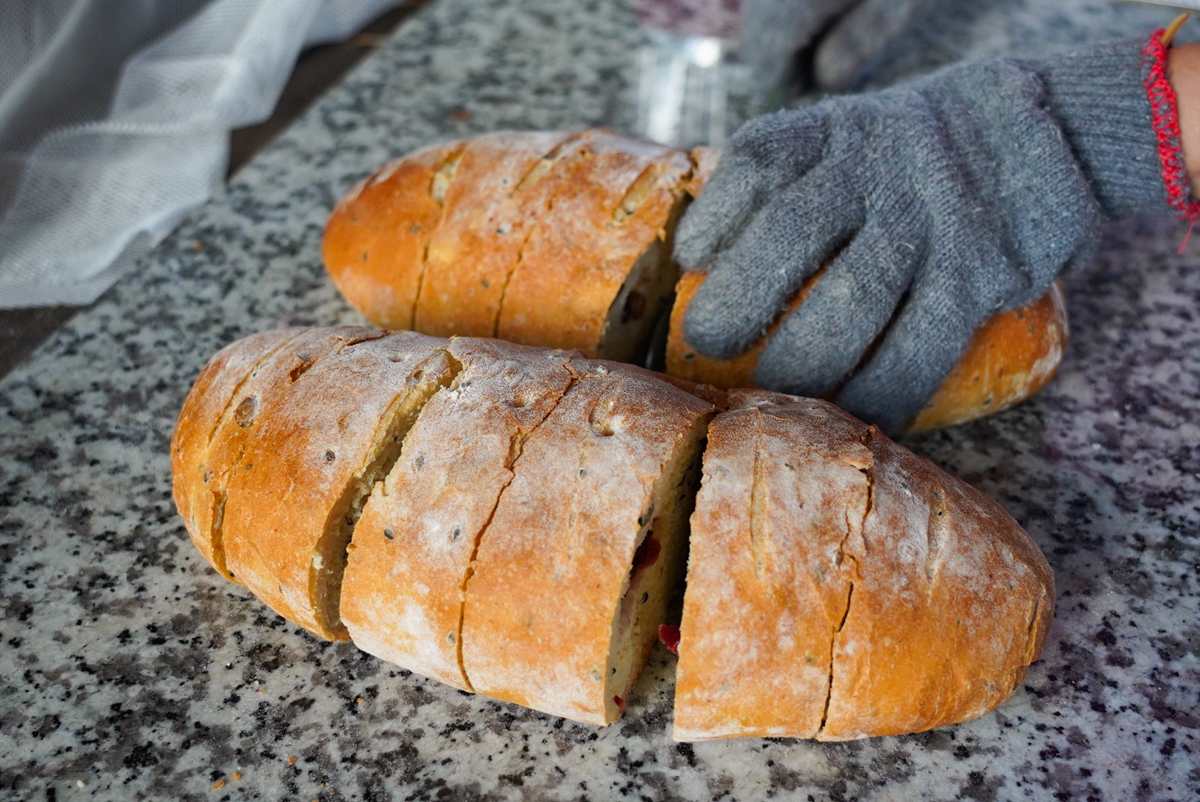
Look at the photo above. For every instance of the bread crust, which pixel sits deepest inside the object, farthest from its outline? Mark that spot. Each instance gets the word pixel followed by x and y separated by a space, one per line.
pixel 616 201
pixel 839 586
pixel 876 595
pixel 402 597
pixel 1009 358
pixel 299 475
pixel 562 239
pixel 552 567
pixel 377 236
pixel 239 427
pixel 498 190
pixel 965 597
pixel 531 239
pixel 209 402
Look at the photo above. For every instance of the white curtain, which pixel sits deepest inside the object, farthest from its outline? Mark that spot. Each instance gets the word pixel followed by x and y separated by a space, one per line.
pixel 115 119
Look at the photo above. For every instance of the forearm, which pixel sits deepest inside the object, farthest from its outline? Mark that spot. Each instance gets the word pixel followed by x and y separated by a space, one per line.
pixel 1183 65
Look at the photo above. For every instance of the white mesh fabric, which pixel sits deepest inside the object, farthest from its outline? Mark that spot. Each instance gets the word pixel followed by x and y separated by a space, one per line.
pixel 114 121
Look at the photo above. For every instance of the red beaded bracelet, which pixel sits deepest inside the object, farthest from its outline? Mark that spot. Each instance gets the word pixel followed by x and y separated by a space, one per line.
pixel 1165 119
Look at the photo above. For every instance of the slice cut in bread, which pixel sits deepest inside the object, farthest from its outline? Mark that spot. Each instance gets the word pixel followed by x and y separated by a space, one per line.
pixel 572 576
pixel 413 546
pixel 377 239
pixel 277 365
pixel 210 406
pixel 841 587
pixel 497 191
pixel 317 453
pixel 595 272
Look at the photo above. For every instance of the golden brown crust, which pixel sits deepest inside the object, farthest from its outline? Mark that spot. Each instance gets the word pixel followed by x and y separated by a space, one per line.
pixel 849 589
pixel 498 190
pixel 239 426
pixel 209 402
pixel 615 200
pixel 402 594
pixel 552 566
pixel 376 239
pixel 766 584
pixel 295 484
pixel 532 239
pixel 539 238
pixel 839 586
pixel 1009 358
pixel 964 595
pixel 685 361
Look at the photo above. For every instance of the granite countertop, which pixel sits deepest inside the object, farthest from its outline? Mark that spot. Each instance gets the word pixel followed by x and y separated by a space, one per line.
pixel 131 670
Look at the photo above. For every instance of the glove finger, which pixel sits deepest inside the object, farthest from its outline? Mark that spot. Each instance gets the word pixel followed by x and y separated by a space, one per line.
pixel 924 341
pixel 819 344
pixel 755 278
pixel 857 39
pixel 766 154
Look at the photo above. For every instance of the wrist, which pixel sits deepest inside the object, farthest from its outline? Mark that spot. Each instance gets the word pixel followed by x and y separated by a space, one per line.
pixel 1099 98
pixel 1183 71
pixel 1160 92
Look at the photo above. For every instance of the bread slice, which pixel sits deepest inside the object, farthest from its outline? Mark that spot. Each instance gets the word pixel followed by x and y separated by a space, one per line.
pixel 209 405
pixel 499 187
pixel 573 574
pixel 402 598
pixel 209 445
pixel 377 237
pixel 595 272
pixel 841 587
pixel 317 452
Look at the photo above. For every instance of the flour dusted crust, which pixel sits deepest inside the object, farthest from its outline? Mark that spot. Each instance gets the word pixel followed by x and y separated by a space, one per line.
pixel 413 545
pixel 501 184
pixel 871 593
pixel 767 585
pixel 542 238
pixel 512 521
pixel 544 602
pixel 300 482
pixel 210 403
pixel 377 237
pixel 1010 357
pixel 595 271
pixel 201 487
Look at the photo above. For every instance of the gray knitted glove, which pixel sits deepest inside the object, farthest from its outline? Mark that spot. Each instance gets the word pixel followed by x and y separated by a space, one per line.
pixel 956 197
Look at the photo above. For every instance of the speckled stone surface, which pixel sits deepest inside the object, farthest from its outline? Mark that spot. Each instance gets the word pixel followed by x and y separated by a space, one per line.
pixel 131 670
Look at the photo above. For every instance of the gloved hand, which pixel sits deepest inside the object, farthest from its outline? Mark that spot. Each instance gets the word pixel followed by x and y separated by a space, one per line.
pixel 845 53
pixel 957 196
pixel 852 33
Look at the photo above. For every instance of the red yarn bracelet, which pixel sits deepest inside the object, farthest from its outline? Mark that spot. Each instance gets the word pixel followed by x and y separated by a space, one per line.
pixel 1165 120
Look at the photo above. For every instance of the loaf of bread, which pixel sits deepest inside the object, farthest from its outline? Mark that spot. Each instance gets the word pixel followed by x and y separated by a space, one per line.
pixel 514 521
pixel 552 239
pixel 840 586
pixel 564 240
pixel 352 476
